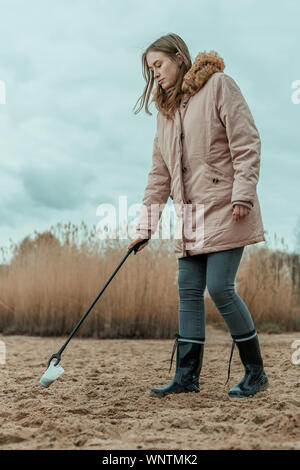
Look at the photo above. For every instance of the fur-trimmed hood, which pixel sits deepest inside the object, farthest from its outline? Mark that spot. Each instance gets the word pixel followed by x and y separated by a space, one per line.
pixel 204 66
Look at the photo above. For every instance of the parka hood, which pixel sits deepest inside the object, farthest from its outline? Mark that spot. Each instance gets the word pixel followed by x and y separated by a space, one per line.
pixel 204 66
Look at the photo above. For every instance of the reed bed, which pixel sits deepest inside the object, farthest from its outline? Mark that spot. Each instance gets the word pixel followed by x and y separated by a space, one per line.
pixel 54 277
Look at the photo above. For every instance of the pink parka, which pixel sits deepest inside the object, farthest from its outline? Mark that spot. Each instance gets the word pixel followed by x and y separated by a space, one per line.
pixel 206 160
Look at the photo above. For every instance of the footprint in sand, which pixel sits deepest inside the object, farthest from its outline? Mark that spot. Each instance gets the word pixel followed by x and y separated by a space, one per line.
pixel 78 411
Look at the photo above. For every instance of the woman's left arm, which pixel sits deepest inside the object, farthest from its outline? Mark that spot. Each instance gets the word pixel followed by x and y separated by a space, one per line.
pixel 243 139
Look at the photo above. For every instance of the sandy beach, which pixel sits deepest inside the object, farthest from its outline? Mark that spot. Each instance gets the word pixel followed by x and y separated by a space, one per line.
pixel 103 401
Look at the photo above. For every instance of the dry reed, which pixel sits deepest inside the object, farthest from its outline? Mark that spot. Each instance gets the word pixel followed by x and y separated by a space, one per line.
pixel 53 278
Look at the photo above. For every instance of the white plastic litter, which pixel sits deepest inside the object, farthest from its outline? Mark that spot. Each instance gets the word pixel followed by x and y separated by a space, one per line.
pixel 51 374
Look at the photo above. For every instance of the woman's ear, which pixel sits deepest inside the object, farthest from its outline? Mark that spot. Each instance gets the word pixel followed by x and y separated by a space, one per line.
pixel 179 58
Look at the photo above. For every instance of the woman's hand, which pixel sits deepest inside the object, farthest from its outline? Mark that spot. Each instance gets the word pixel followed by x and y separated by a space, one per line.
pixel 240 211
pixel 134 242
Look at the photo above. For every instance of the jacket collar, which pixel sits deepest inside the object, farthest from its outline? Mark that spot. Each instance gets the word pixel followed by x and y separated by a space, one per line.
pixel 204 66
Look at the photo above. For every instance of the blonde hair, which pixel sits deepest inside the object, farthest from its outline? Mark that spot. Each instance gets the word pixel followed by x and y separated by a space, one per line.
pixel 166 101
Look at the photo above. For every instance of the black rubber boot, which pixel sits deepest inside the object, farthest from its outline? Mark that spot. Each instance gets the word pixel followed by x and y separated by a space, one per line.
pixel 255 379
pixel 189 359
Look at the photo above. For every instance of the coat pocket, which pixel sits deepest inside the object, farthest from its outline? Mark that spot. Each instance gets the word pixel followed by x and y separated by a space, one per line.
pixel 219 184
pixel 215 172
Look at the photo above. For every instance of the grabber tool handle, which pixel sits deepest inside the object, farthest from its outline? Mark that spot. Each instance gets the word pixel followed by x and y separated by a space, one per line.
pixel 137 245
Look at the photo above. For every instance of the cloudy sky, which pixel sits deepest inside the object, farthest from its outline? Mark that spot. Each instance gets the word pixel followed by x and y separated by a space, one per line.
pixel 71 71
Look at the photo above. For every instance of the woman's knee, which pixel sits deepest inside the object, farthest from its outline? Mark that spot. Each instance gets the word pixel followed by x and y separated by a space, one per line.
pixel 191 279
pixel 190 293
pixel 220 290
pixel 190 287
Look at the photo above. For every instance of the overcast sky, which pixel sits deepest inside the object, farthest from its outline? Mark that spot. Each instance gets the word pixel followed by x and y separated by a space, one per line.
pixel 69 140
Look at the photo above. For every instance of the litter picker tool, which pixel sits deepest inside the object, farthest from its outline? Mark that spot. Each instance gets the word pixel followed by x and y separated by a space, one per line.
pixel 54 371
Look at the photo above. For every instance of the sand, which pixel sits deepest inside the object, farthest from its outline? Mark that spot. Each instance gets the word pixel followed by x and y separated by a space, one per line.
pixel 103 401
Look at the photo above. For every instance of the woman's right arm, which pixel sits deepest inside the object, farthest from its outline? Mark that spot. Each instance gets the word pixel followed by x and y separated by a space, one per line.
pixel 156 194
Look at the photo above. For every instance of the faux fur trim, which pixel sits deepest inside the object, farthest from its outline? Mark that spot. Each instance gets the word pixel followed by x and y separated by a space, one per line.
pixel 204 66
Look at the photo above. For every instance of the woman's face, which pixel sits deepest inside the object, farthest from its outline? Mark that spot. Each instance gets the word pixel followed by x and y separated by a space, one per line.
pixel 163 68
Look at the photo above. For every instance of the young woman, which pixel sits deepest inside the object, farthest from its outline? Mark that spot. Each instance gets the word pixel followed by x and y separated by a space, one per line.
pixel 206 156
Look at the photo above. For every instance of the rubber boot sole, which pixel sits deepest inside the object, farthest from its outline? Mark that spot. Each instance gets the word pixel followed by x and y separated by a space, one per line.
pixel 161 394
pixel 244 395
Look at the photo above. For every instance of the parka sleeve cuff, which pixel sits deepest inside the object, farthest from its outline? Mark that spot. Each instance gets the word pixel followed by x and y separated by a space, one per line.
pixel 142 234
pixel 243 203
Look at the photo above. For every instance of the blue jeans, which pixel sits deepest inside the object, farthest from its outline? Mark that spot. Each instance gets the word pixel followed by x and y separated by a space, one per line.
pixel 217 271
